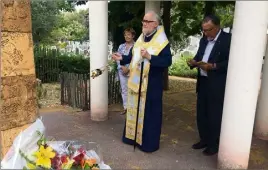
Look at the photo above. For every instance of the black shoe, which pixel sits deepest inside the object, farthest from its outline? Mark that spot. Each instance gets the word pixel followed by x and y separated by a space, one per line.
pixel 199 145
pixel 210 151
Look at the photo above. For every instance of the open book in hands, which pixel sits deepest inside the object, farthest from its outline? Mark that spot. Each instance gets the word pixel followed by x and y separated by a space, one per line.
pixel 196 64
pixel 200 63
pixel 205 66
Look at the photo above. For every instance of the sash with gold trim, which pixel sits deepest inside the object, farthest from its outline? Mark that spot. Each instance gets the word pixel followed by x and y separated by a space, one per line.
pixel 154 47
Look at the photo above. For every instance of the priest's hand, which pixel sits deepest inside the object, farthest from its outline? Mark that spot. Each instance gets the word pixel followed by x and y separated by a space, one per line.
pixel 145 54
pixel 117 56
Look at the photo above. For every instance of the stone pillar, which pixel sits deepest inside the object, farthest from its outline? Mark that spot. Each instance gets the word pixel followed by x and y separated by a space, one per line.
pixel 261 119
pixel 18 81
pixel 98 32
pixel 243 80
pixel 152 6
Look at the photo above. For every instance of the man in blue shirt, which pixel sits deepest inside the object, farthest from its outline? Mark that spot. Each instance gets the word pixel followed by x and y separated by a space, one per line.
pixel 211 61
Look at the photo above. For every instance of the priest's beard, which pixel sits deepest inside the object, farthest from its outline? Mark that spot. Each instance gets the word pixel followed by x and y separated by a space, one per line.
pixel 146 32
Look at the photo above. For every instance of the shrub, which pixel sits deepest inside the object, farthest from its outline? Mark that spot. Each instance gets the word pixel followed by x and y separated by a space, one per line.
pixel 73 63
pixel 49 63
pixel 180 68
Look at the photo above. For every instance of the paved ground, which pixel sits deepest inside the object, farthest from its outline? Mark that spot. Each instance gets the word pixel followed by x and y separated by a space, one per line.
pixel 178 134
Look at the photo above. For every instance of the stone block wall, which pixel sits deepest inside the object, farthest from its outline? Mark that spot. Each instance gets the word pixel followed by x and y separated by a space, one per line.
pixel 18 103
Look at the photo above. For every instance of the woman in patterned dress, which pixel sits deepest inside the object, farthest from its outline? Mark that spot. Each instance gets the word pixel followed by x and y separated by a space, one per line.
pixel 123 70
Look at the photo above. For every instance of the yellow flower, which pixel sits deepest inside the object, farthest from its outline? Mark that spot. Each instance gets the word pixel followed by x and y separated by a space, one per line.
pixel 43 156
pixel 68 164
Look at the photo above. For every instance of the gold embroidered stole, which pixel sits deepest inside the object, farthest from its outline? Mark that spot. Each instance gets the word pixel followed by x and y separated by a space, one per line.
pixel 154 47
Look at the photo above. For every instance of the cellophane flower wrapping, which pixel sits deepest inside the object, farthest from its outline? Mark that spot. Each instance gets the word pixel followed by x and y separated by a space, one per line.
pixel 31 150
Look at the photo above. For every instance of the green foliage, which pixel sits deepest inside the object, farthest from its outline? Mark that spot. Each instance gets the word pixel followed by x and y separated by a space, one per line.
pixel 71 26
pixel 44 17
pixel 65 62
pixel 41 92
pixel 226 14
pixel 186 19
pixel 52 23
pixel 73 63
pixel 112 66
pixel 50 63
pixel 180 68
pixel 123 14
pixel 62 45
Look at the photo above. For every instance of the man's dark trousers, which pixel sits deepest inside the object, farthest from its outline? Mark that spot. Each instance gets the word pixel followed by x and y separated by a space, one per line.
pixel 209 113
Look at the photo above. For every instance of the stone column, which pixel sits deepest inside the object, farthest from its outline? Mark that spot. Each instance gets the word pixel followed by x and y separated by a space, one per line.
pixel 98 32
pixel 261 119
pixel 243 80
pixel 152 6
pixel 18 81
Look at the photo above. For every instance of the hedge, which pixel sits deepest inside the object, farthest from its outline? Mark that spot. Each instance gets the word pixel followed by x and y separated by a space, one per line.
pixel 180 68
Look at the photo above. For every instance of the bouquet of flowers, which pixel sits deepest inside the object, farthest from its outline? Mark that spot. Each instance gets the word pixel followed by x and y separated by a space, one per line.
pixel 31 150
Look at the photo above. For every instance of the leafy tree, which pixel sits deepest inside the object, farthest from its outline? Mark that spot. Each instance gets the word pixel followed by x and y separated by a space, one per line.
pixel 186 17
pixel 44 17
pixel 226 13
pixel 185 21
pixel 123 14
pixel 70 26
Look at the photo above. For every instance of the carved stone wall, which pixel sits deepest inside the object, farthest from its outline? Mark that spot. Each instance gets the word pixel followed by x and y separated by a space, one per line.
pixel 18 103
